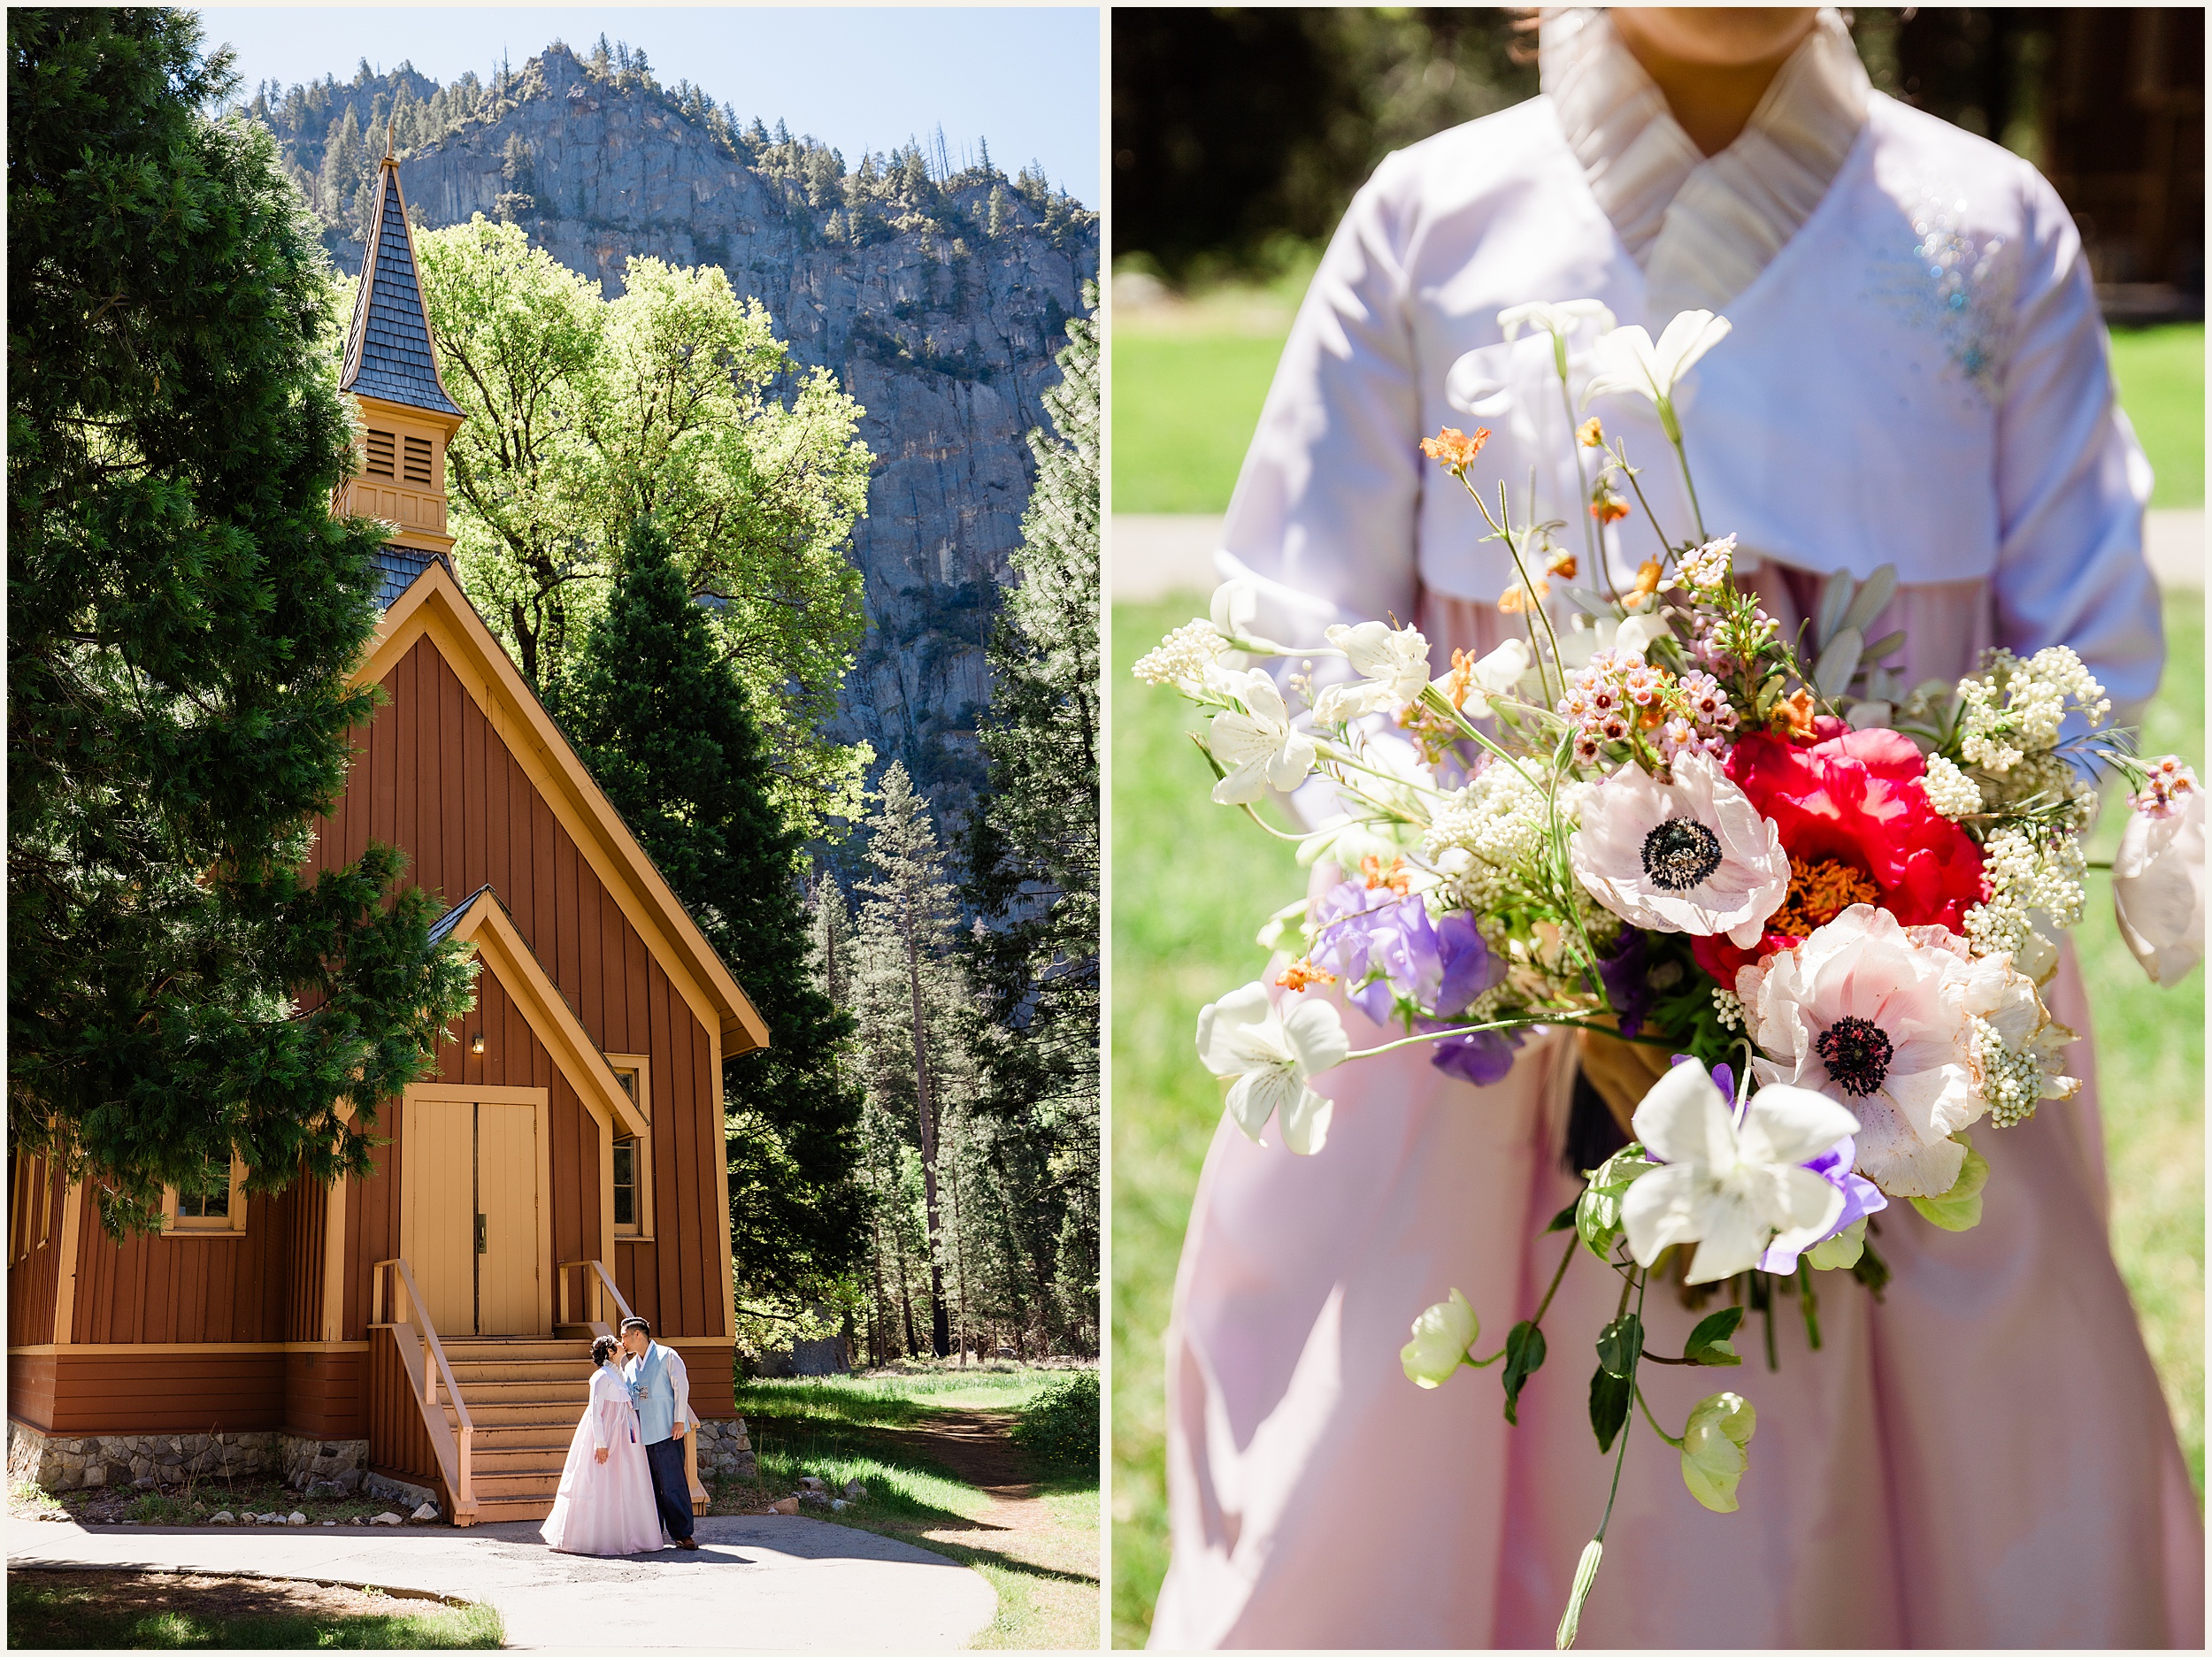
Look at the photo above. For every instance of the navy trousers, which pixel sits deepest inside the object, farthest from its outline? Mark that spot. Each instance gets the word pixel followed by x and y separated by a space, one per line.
pixel 670 1489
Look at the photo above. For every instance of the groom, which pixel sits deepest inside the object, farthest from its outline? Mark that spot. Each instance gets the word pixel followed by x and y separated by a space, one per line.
pixel 663 1393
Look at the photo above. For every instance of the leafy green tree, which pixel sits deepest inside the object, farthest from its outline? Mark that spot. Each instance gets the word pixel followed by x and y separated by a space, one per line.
pixel 668 732
pixel 1032 848
pixel 586 413
pixel 184 614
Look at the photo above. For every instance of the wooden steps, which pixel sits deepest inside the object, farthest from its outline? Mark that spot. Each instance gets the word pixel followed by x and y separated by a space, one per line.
pixel 525 1397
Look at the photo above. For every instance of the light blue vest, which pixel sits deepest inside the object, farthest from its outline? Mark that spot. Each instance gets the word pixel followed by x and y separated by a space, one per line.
pixel 653 1394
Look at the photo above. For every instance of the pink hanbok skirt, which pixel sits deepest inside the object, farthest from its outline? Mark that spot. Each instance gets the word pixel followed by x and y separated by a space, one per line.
pixel 1983 1459
pixel 606 1508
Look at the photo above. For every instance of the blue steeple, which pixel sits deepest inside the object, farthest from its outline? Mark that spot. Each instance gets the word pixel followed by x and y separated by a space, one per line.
pixel 388 350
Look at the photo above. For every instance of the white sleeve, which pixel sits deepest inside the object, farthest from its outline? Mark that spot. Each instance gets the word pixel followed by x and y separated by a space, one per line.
pixel 2071 480
pixel 1324 513
pixel 597 1409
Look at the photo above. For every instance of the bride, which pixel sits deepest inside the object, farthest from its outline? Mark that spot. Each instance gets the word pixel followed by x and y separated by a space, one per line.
pixel 605 1503
pixel 1916 376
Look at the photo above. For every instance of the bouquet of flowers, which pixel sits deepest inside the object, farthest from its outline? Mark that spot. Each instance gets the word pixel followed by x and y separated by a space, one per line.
pixel 1802 915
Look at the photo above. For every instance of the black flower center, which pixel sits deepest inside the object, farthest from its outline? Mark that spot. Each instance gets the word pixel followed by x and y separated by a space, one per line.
pixel 1857 1054
pixel 1679 853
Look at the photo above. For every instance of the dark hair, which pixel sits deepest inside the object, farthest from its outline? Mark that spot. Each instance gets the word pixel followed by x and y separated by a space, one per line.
pixel 629 1323
pixel 603 1349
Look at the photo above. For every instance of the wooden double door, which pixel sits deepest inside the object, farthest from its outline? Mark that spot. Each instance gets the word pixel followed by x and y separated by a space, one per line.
pixel 472 1220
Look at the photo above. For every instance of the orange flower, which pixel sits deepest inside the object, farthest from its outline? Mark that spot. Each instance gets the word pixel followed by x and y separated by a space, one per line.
pixel 1793 715
pixel 1590 434
pixel 1395 877
pixel 1606 506
pixel 1515 597
pixel 1647 581
pixel 1301 972
pixel 1454 450
pixel 1563 564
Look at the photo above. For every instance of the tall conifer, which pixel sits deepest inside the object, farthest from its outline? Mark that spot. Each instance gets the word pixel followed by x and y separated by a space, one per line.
pixel 665 727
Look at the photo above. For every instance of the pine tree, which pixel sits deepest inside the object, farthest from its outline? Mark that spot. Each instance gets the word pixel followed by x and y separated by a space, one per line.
pixel 910 915
pixel 184 617
pixel 1032 850
pixel 666 729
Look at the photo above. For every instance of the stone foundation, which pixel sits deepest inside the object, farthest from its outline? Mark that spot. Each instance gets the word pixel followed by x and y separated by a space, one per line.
pixel 161 1461
pixel 384 1487
pixel 725 1450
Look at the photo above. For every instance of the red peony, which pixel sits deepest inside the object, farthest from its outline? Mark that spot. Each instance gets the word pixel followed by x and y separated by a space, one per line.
pixel 1857 826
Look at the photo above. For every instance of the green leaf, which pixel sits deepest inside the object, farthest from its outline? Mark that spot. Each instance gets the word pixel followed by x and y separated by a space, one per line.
pixel 1610 1396
pixel 1959 1208
pixel 1620 1343
pixel 1524 1356
pixel 1709 1341
pixel 1564 1219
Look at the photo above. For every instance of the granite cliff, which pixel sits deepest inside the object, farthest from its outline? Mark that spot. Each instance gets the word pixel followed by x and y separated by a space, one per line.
pixel 937 296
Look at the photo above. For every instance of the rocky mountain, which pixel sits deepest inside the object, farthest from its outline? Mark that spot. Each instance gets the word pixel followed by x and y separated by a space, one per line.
pixel 937 296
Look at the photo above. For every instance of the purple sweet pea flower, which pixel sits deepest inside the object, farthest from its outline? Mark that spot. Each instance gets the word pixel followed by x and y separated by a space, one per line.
pixel 1861 1198
pixel 1622 973
pixel 1441 966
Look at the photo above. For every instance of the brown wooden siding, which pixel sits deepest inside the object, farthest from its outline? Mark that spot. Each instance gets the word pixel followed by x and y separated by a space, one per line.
pixel 399 1443
pixel 326 1394
pixel 182 1288
pixel 33 1279
pixel 371 1223
pixel 713 1373
pixel 436 777
pixel 76 1394
pixel 307 1204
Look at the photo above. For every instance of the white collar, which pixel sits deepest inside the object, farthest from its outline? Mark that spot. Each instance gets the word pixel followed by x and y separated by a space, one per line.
pixel 1702 228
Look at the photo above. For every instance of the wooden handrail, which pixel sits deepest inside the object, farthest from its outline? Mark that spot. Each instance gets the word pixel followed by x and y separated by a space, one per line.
pixel 600 1288
pixel 438 1370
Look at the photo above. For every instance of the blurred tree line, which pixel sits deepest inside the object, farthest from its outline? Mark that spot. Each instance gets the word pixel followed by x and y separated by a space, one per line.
pixel 1240 133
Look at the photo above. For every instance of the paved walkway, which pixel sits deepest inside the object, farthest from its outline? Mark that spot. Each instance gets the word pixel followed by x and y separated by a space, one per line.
pixel 755 1583
pixel 1155 557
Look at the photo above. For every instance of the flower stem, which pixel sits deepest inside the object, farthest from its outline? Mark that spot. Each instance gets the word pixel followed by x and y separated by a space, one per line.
pixel 1502 1024
pixel 1544 1305
pixel 1653 1419
pixel 1592 531
pixel 1808 1297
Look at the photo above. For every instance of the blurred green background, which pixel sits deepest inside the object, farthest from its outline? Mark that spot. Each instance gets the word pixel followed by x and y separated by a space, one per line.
pixel 1192 884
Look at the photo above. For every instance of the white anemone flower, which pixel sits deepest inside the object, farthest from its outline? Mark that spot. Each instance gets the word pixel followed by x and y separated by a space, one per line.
pixel 1628 361
pixel 1271 1059
pixel 1874 1015
pixel 1393 666
pixel 1441 1336
pixel 1729 1187
pixel 1258 747
pixel 1690 856
pixel 2158 887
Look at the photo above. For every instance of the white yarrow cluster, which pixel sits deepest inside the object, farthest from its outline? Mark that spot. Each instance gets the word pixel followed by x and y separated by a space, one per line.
pixel 2026 880
pixel 1950 791
pixel 1184 658
pixel 1500 824
pixel 2014 708
pixel 1728 1008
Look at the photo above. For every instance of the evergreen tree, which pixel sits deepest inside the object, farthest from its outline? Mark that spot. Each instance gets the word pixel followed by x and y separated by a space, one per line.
pixel 666 729
pixel 184 615
pixel 908 916
pixel 1032 847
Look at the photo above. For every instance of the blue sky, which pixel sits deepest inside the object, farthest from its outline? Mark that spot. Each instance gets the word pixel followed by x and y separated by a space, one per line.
pixel 1026 79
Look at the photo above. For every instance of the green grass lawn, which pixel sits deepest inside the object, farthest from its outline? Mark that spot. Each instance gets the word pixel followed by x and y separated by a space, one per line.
pixel 135 1611
pixel 1040 1554
pixel 2161 372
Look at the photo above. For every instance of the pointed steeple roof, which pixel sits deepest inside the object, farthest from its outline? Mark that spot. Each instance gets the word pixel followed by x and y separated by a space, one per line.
pixel 388 354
